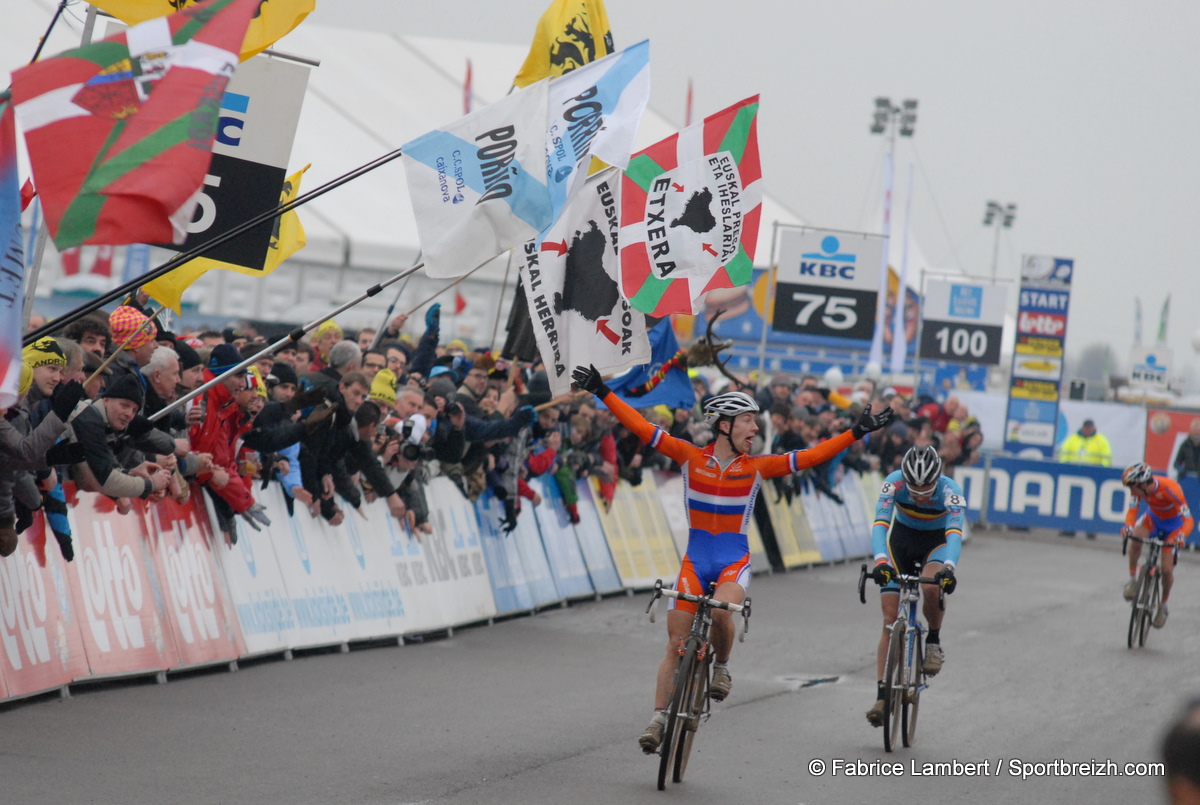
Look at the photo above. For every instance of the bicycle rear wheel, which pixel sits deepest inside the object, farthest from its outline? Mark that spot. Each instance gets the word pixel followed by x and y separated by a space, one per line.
pixel 678 705
pixel 893 687
pixel 912 694
pixel 691 724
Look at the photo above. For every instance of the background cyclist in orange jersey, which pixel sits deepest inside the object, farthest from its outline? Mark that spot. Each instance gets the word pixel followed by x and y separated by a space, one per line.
pixel 1166 510
pixel 721 482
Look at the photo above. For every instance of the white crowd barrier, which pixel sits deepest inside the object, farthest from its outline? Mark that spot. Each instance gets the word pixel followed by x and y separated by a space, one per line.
pixel 160 589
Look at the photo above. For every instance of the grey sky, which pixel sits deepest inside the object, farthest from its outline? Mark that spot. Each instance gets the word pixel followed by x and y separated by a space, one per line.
pixel 1078 112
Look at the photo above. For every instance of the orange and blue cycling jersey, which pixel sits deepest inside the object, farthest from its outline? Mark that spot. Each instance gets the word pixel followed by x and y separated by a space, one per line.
pixel 719 499
pixel 1165 509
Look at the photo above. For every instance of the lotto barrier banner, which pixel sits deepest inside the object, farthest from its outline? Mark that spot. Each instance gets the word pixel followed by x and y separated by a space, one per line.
pixel 1044 494
pixel 638 535
pixel 590 533
pixel 117 590
pixel 558 538
pixel 516 561
pixel 39 623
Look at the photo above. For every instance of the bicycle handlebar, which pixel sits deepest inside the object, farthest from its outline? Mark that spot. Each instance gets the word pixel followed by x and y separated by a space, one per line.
pixel 660 591
pixel 900 578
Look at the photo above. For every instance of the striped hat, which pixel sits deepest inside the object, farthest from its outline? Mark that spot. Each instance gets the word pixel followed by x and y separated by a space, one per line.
pixel 44 352
pixel 125 321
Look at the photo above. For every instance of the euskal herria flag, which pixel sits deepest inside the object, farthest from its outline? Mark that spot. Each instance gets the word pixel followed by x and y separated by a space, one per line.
pixel 570 277
pixel 120 131
pixel 477 185
pixel 594 112
pixel 12 261
pixel 690 208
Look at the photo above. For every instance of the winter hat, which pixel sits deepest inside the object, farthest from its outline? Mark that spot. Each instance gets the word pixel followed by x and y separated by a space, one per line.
pixel 282 373
pixel 26 379
pixel 254 380
pixel 125 321
pixel 44 352
pixel 126 387
pixel 383 387
pixel 223 358
pixel 188 356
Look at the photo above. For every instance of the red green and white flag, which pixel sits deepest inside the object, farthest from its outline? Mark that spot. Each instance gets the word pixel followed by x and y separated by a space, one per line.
pixel 690 208
pixel 120 131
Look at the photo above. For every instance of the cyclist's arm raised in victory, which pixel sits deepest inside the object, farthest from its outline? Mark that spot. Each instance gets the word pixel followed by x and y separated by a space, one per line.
pixel 677 450
pixel 787 463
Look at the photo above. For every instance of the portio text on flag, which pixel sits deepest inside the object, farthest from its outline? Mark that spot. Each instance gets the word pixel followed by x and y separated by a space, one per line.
pixel 690 209
pixel 120 131
pixel 477 185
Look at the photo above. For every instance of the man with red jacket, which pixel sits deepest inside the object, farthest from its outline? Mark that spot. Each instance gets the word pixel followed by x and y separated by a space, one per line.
pixel 219 432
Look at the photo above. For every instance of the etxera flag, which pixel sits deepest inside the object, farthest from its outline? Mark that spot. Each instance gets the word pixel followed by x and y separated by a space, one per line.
pixel 595 111
pixel 476 185
pixel 579 316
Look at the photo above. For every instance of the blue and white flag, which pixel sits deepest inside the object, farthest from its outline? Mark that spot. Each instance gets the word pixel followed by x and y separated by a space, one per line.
pixel 594 110
pixel 12 261
pixel 477 185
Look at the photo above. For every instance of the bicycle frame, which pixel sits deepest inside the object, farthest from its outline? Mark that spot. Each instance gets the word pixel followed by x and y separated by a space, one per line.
pixel 1146 598
pixel 688 703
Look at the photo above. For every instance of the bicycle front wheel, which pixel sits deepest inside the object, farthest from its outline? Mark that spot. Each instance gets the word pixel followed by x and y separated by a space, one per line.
pixel 1146 602
pixel 1135 610
pixel 912 693
pixel 691 724
pixel 676 711
pixel 893 687
pixel 1155 599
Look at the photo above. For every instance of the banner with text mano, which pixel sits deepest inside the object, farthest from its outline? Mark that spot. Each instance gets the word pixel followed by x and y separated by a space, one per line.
pixel 1043 494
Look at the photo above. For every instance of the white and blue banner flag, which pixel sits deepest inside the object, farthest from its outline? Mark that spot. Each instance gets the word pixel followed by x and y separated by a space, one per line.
pixel 594 111
pixel 477 185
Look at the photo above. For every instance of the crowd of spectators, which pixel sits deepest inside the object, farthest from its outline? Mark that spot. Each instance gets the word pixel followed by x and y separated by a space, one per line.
pixel 339 419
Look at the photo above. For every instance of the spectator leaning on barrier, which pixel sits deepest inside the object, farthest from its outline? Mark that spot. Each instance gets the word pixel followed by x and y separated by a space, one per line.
pixel 1187 458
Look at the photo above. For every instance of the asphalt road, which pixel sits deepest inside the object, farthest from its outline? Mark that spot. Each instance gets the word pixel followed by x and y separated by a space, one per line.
pixel 547 708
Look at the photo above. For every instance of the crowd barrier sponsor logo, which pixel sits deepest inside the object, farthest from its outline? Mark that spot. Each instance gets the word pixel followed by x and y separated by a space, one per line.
pixel 23 605
pixel 1041 494
pixel 112 591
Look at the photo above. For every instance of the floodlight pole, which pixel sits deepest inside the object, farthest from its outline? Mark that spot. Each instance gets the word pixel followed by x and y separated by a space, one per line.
pixel 1001 216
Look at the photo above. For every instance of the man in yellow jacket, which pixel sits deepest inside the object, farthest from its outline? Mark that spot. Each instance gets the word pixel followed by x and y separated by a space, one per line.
pixel 1085 446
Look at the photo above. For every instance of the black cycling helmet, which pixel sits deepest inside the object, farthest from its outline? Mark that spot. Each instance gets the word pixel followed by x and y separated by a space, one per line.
pixel 1136 474
pixel 921 466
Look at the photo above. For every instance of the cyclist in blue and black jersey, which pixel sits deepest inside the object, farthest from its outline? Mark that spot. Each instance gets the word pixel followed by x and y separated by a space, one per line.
pixel 924 510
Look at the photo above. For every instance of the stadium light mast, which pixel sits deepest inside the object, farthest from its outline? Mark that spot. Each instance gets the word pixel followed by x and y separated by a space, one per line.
pixel 889 120
pixel 1000 216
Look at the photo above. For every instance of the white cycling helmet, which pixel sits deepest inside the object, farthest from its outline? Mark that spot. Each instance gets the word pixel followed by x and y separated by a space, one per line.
pixel 730 404
pixel 921 466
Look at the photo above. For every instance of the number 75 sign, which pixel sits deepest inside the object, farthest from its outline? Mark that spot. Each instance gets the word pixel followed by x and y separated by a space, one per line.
pixel 827 283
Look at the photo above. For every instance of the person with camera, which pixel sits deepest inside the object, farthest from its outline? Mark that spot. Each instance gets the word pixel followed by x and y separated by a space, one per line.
pixel 397 448
pixel 324 449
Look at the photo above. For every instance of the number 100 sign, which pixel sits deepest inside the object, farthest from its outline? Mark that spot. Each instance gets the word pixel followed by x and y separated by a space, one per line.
pixel 963 322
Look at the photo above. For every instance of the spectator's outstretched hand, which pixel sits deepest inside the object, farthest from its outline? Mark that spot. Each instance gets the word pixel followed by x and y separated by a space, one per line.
pixel 868 422
pixel 66 397
pixel 433 316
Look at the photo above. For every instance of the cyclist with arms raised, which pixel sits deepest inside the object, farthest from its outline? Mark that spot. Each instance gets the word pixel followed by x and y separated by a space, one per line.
pixel 1166 511
pixel 924 510
pixel 721 482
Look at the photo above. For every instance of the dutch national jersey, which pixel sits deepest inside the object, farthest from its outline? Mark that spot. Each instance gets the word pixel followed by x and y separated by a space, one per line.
pixel 943 512
pixel 720 501
pixel 1167 507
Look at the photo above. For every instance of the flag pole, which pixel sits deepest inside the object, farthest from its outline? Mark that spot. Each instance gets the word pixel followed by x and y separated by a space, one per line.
pixel 388 315
pixel 448 287
pixel 290 338
pixel 124 344
pixel 122 290
pixel 54 21
pixel 500 303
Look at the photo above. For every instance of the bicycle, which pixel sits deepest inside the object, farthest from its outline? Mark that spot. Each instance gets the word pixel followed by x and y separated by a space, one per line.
pixel 1148 594
pixel 903 674
pixel 689 705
